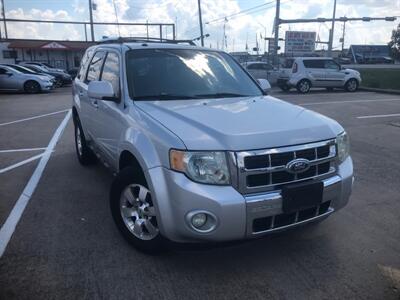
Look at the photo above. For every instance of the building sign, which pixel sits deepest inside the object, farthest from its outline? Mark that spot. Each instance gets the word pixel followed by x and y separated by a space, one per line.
pixel 299 42
pixel 53 45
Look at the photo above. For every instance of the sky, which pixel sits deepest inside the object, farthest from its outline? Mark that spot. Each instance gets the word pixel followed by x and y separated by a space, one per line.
pixel 240 29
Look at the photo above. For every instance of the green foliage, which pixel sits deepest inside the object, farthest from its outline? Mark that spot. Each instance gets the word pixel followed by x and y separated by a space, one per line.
pixel 381 78
pixel 394 43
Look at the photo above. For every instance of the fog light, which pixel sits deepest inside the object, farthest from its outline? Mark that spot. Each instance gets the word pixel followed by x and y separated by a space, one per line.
pixel 199 219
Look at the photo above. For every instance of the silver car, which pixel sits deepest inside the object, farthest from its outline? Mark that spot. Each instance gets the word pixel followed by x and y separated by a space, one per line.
pixel 308 72
pixel 199 150
pixel 13 80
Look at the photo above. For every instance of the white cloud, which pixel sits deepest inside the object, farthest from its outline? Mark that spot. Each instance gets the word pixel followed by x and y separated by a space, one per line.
pixel 238 29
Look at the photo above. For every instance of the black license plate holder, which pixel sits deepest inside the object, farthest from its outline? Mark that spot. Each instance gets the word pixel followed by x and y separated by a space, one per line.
pixel 301 196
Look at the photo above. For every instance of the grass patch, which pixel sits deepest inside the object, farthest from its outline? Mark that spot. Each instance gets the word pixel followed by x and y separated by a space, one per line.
pixel 380 78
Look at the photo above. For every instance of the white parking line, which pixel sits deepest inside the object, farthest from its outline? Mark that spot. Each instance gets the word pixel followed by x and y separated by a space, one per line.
pixel 8 228
pixel 21 163
pixel 21 150
pixel 378 116
pixel 35 117
pixel 349 101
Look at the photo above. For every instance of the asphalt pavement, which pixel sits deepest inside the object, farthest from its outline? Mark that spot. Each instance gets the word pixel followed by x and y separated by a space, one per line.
pixel 66 245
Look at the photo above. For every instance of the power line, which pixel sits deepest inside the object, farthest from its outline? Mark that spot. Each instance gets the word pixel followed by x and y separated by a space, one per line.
pixel 240 12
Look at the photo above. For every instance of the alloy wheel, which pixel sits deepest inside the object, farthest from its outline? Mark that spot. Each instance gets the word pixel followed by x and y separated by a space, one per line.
pixel 138 212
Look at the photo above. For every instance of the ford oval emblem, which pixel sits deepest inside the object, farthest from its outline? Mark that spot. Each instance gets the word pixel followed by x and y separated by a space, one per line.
pixel 299 165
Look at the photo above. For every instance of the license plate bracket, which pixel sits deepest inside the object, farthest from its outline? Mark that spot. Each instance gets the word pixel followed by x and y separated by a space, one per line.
pixel 302 196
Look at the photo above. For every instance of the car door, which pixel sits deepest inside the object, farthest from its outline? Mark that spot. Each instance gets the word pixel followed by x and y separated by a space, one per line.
pixel 108 121
pixel 335 76
pixel 89 106
pixel 315 71
pixel 8 80
pixel 272 74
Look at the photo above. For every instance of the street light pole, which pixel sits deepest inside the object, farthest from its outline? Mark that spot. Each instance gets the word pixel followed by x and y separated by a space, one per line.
pixel 332 30
pixel 201 24
pixel 91 19
pixel 4 17
pixel 277 22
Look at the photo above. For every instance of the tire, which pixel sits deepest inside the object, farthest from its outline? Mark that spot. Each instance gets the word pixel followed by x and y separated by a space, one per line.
pixel 134 213
pixel 32 87
pixel 58 83
pixel 84 153
pixel 303 86
pixel 285 87
pixel 351 85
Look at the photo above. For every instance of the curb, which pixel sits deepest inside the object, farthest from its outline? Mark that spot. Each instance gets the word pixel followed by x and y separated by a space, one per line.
pixel 385 91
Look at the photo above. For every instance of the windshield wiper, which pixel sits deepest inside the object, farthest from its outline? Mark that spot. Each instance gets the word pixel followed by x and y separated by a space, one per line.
pixel 221 95
pixel 166 96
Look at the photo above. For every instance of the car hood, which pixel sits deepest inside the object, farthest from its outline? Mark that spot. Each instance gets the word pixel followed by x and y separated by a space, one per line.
pixel 240 123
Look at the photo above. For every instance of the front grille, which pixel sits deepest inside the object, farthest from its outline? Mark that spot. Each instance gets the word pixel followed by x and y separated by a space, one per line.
pixel 281 220
pixel 262 169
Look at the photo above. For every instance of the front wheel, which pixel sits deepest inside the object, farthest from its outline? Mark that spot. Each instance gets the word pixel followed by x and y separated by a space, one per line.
pixel 351 85
pixel 32 87
pixel 133 211
pixel 284 87
pixel 303 86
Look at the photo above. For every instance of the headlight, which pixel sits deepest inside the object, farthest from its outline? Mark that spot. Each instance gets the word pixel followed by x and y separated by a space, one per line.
pixel 203 167
pixel 343 145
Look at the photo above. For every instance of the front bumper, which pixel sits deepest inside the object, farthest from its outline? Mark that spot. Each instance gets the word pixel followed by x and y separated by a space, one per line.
pixel 176 196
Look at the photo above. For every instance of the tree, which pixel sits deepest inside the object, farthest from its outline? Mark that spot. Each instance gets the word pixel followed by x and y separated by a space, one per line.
pixel 394 43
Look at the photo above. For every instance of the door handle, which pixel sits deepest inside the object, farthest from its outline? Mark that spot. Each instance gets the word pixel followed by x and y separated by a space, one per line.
pixel 95 104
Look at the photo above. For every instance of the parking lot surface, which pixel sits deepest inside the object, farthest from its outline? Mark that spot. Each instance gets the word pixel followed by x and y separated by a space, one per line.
pixel 66 245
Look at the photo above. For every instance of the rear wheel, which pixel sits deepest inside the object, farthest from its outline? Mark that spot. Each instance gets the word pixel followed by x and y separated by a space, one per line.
pixel 84 153
pixel 32 87
pixel 133 210
pixel 351 85
pixel 303 86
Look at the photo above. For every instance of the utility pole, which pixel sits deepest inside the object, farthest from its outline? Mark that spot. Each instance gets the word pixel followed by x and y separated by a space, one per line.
pixel 91 19
pixel 276 29
pixel 332 30
pixel 201 24
pixel 4 17
pixel 343 33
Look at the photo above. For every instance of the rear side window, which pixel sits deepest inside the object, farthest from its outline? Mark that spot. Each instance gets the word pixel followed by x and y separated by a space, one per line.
pixel 314 64
pixel 84 62
pixel 95 67
pixel 3 71
pixel 111 72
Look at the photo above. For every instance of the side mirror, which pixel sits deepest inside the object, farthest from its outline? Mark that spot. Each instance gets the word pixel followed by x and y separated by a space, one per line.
pixel 102 90
pixel 264 84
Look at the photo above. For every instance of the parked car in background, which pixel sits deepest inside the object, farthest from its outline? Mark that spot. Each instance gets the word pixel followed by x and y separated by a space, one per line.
pixel 61 77
pixel 28 71
pixel 73 72
pixel 43 65
pixel 308 72
pixel 262 70
pixel 285 71
pixel 14 80
pixel 200 152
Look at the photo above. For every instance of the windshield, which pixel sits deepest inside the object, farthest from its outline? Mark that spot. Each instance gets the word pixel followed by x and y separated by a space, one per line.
pixel 22 69
pixel 163 74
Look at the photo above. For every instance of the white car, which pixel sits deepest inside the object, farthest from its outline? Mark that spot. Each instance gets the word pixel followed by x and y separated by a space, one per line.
pixel 324 72
pixel 262 70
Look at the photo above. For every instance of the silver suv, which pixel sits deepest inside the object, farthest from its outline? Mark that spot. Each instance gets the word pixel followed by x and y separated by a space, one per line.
pixel 199 150
pixel 324 72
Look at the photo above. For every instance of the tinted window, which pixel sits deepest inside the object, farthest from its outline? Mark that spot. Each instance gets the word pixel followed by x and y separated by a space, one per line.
pixel 331 65
pixel 315 64
pixel 256 67
pixel 187 73
pixel 95 67
pixel 3 71
pixel 111 71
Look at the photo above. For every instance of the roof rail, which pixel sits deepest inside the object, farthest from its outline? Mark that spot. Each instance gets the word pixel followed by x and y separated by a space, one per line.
pixel 120 40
